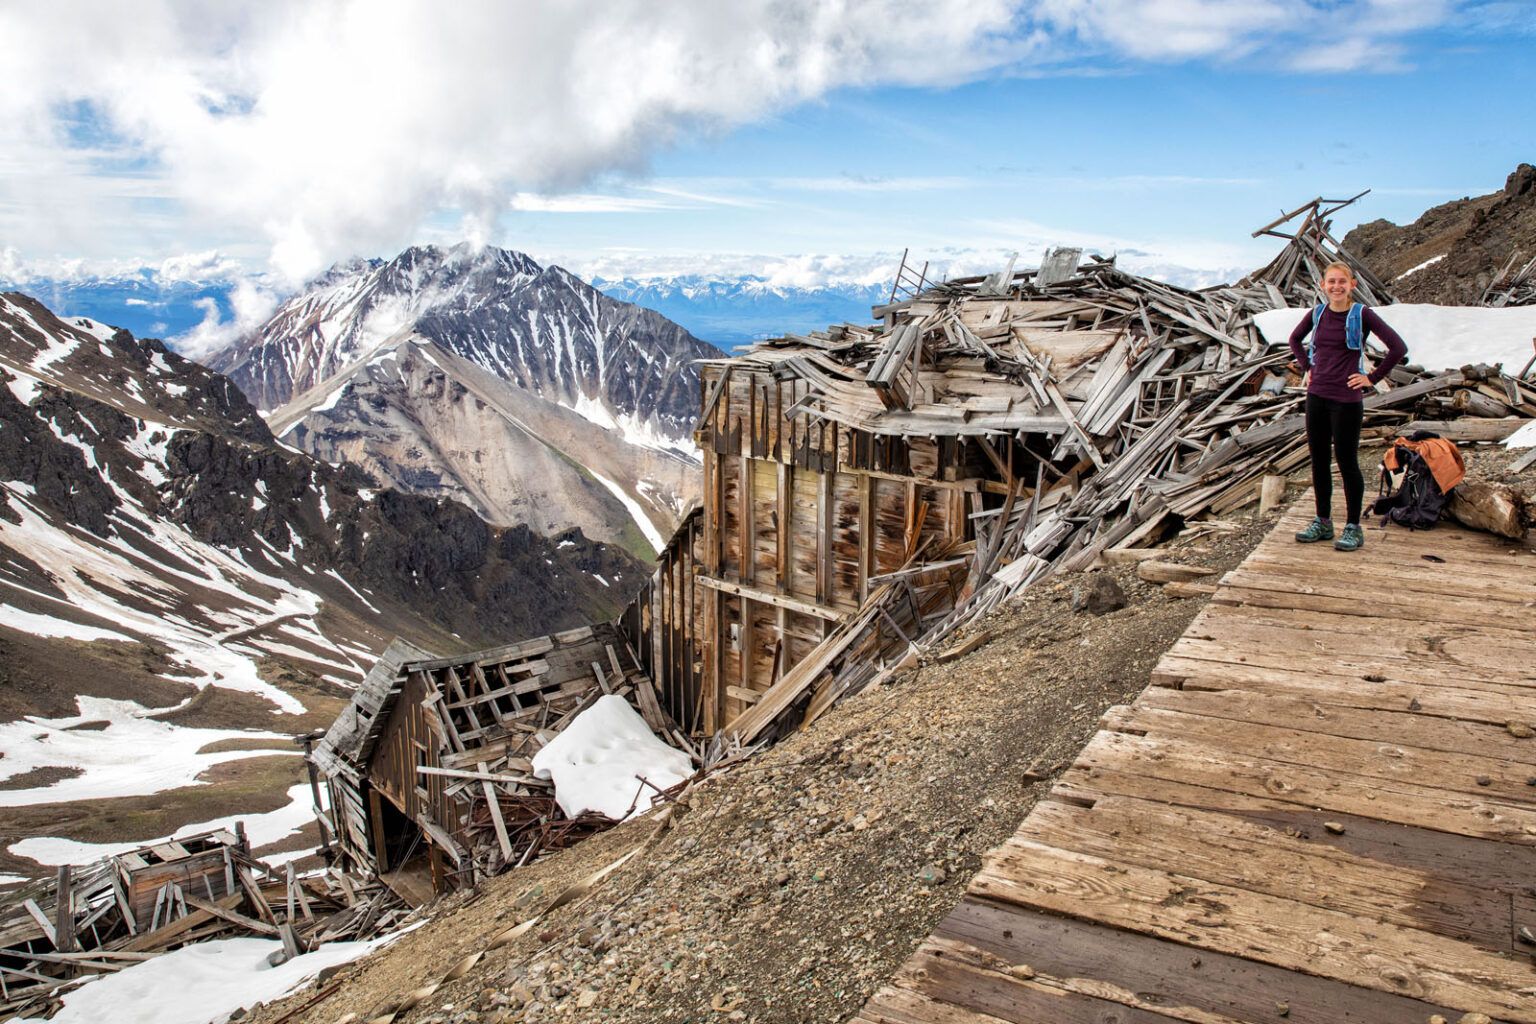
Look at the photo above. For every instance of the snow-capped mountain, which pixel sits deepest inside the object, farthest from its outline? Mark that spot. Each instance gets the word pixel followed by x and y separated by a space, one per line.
pixel 735 311
pixel 164 559
pixel 475 373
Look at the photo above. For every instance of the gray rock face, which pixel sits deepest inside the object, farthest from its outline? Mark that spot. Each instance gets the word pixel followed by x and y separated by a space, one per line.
pixel 539 328
pixel 478 375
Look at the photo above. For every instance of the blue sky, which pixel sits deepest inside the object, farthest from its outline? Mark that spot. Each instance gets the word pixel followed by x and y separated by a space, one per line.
pixel 803 141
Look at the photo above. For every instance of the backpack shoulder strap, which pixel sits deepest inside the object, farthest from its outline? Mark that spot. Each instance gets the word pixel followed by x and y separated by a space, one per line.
pixel 1317 316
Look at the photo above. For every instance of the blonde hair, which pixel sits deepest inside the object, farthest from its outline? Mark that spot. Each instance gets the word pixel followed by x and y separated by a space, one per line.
pixel 1340 265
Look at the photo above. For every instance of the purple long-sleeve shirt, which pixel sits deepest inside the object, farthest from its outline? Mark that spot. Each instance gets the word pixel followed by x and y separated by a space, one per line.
pixel 1335 361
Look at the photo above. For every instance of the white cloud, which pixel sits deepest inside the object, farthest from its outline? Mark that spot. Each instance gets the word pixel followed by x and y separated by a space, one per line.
pixel 316 131
pixel 251 306
pixel 341 127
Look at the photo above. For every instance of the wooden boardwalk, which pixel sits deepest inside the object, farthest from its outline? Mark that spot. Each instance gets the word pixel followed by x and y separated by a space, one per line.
pixel 1322 810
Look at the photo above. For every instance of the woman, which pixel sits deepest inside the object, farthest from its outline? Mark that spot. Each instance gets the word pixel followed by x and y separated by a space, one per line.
pixel 1336 382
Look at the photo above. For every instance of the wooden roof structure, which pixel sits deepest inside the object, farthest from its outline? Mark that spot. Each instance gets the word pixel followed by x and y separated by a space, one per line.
pixel 433 755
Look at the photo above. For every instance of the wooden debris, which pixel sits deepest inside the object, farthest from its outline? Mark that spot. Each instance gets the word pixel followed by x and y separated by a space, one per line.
pixel 1172 572
pixel 105 916
pixel 429 772
pixel 1180 589
pixel 1492 507
pixel 965 647
pixel 1020 424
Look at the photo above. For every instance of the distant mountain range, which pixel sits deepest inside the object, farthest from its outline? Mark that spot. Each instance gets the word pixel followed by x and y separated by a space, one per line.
pixel 736 311
pixel 725 311
pixel 144 302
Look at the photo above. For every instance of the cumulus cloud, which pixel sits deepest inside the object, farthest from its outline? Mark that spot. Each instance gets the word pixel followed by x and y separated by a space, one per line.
pixel 327 129
pixel 251 305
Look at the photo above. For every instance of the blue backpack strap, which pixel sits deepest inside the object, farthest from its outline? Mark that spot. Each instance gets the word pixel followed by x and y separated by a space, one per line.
pixel 1354 332
pixel 1317 316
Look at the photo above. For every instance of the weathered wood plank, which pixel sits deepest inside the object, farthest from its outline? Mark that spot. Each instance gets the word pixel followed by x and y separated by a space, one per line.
pixel 1180 908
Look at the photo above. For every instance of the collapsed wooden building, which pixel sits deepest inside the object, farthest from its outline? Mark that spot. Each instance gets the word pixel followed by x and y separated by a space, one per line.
pixel 429 769
pixel 869 488
pixel 60 932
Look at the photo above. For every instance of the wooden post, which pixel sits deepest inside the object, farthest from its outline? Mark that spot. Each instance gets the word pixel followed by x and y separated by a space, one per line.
pixel 376 820
pixel 495 807
pixel 308 740
pixel 64 913
pixel 1271 492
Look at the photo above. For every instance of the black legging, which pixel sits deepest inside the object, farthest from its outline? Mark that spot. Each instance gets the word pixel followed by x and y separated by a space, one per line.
pixel 1333 428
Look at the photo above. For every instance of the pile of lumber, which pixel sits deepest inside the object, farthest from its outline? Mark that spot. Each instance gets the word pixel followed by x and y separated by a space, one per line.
pixel 1140 406
pixel 60 932
pixel 1514 285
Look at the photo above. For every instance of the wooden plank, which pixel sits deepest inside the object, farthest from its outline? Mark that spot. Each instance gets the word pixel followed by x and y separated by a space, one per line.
pixel 156 939
pixel 232 916
pixel 1259 858
pixel 1399 801
pixel 1167 905
pixel 64 910
pixel 1499 866
pixel 497 821
pixel 1493 778
pixel 41 918
pixel 1274 592
pixel 1480 651
pixel 766 597
pixel 1167 974
pixel 962 977
pixel 1397 725
pixel 1473 703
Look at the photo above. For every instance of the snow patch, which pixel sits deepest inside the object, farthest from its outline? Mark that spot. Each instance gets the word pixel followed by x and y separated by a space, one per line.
pixel 594 762
pixel 48 626
pixel 201 983
pixel 112 760
pixel 1414 270
pixel 23 387
pixel 1525 437
pixel 262 830
pixel 1438 337
pixel 635 509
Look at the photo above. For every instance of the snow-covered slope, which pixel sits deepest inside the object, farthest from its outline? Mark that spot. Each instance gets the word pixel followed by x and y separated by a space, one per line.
pixel 442 370
pixel 172 577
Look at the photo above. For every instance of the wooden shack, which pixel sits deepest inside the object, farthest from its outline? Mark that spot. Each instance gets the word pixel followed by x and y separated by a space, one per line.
pixel 428 770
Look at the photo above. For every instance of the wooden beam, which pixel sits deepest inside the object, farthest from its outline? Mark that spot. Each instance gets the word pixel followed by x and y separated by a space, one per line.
pixel 497 820
pixel 232 916
pixel 793 604
pixel 64 912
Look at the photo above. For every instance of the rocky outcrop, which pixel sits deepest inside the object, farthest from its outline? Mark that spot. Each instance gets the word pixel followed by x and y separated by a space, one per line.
pixel 1451 253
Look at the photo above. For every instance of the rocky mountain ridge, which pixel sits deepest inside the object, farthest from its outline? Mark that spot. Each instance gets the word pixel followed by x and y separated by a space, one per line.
pixel 1452 251
pixel 475 373
pixel 183 445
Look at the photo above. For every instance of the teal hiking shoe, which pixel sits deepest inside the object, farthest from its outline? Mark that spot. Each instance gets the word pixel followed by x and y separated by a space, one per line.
pixel 1352 539
pixel 1318 529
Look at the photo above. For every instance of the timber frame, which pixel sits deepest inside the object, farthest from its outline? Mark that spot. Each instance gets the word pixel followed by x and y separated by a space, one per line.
pixel 428 771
